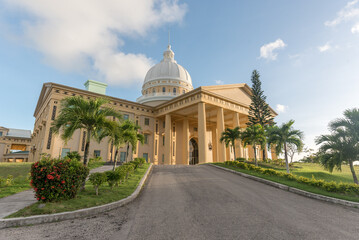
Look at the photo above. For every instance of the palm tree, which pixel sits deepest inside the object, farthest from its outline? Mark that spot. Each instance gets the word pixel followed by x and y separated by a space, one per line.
pixel 254 135
pixel 342 145
pixel 281 136
pixel 229 136
pixel 78 113
pixel 131 136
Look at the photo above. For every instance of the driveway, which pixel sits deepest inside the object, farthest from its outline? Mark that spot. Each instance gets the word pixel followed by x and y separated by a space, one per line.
pixel 202 202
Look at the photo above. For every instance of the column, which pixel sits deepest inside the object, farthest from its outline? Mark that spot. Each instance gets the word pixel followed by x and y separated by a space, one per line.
pixel 238 146
pixel 202 141
pixel 221 151
pixel 168 140
pixel 185 143
pixel 214 144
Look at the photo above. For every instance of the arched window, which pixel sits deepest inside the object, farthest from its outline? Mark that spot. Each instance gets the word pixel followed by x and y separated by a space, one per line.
pixel 174 91
pixel 163 89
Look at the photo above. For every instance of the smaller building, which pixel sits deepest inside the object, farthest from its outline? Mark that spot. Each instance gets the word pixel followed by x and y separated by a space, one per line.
pixel 14 145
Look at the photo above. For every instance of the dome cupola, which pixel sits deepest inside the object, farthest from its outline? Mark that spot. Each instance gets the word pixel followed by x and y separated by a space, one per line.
pixel 165 80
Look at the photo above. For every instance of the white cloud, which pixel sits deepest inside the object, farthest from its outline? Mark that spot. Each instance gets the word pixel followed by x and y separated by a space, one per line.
pixel 324 48
pixel 349 12
pixel 87 35
pixel 355 28
pixel 219 82
pixel 267 50
pixel 281 108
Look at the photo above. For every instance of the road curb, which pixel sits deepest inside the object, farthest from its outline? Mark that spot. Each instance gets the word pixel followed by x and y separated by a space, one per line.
pixel 291 189
pixel 47 218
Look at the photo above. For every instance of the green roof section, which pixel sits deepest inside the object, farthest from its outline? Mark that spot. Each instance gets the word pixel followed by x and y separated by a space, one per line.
pixel 96 87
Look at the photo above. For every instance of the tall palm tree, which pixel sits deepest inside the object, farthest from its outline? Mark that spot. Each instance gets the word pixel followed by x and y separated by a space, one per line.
pixel 342 145
pixel 281 136
pixel 229 136
pixel 254 135
pixel 78 113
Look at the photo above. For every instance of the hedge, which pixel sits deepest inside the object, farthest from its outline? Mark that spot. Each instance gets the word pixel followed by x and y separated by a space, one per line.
pixel 56 179
pixel 328 186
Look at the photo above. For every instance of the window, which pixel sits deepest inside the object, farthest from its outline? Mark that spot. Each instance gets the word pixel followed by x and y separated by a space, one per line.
pixel 156 147
pixel 163 89
pixel 53 113
pixel 0 134
pixel 164 124
pixel 147 121
pixel 64 152
pixel 145 156
pixel 49 139
pixel 174 131
pixel 125 117
pixel 163 140
pixel 96 153
pixel 137 122
pixel 156 127
pixel 174 91
pixel 146 139
pixel 122 157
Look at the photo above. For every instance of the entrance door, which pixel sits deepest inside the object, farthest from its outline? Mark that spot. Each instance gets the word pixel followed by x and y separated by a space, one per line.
pixel 193 152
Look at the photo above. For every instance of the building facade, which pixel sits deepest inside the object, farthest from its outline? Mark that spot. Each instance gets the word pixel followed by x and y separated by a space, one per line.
pixel 14 144
pixel 181 125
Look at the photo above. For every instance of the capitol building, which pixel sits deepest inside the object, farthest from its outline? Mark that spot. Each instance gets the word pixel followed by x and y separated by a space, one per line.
pixel 181 125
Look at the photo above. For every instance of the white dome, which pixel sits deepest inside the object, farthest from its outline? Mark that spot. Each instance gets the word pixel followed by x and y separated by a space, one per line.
pixel 167 73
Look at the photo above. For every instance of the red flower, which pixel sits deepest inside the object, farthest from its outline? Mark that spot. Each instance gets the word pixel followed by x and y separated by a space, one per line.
pixel 42 198
pixel 42 188
pixel 62 181
pixel 35 189
pixel 50 177
pixel 52 187
pixel 37 199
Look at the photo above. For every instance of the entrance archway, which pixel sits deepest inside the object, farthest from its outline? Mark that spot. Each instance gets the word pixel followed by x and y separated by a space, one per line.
pixel 193 152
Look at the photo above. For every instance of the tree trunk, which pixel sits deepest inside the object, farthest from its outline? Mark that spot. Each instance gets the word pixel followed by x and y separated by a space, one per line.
pixel 87 147
pixel 96 188
pixel 286 157
pixel 255 154
pixel 128 147
pixel 353 172
pixel 234 150
pixel 115 160
pixel 264 154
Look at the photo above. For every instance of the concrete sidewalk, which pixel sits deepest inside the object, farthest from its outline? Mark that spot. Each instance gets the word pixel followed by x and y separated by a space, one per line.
pixel 15 202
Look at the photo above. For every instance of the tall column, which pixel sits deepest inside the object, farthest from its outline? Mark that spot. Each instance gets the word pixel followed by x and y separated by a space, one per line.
pixel 202 141
pixel 214 144
pixel 168 140
pixel 221 153
pixel 238 146
pixel 185 143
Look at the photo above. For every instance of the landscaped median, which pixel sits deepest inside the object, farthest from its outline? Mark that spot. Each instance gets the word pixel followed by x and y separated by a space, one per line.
pixel 290 182
pixel 85 204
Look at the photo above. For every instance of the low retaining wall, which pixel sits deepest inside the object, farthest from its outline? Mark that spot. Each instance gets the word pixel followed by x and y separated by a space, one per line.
pixel 47 218
pixel 291 189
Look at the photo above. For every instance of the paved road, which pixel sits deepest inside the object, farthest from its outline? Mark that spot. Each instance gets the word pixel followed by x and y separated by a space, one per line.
pixel 201 202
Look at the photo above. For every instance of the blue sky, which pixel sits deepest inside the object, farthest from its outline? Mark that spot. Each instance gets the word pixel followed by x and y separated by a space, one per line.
pixel 307 52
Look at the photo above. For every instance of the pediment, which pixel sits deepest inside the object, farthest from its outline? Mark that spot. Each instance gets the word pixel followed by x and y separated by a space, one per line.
pixel 238 92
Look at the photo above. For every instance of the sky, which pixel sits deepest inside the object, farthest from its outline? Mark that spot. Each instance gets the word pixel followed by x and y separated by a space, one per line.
pixel 307 52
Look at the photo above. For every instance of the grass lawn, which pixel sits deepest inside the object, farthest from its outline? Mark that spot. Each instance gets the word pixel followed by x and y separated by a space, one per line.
pixel 20 172
pixel 95 165
pixel 87 198
pixel 314 169
pixel 294 184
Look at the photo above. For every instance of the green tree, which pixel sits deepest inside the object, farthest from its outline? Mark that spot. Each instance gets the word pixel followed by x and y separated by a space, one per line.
pixel 74 155
pixel 229 136
pixel 78 113
pixel 259 111
pixel 281 136
pixel 254 135
pixel 342 145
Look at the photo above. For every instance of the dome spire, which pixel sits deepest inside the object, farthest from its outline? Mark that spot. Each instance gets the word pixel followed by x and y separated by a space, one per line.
pixel 169 55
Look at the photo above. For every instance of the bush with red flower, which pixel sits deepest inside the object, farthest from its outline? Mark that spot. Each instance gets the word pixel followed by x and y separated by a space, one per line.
pixel 57 179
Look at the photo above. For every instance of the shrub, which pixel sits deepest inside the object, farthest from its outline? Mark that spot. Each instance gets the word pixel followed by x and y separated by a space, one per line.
pixel 95 160
pixel 2 181
pixel 97 179
pixel 73 155
pixel 9 180
pixel 113 178
pixel 56 179
pixel 328 186
pixel 241 159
